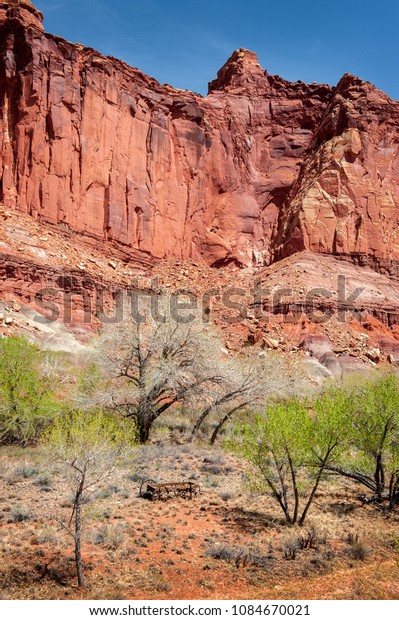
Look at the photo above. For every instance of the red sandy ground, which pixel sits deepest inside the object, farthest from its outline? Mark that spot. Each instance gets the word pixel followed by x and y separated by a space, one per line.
pixel 164 548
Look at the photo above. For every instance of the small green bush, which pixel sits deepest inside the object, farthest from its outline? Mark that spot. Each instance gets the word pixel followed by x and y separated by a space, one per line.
pixel 26 472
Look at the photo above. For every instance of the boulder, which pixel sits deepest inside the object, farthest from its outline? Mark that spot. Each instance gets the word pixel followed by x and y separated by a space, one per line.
pixel 317 345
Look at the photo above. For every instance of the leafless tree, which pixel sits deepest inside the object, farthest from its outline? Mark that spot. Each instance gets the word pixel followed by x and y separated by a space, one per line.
pixel 239 386
pixel 247 382
pixel 88 445
pixel 155 366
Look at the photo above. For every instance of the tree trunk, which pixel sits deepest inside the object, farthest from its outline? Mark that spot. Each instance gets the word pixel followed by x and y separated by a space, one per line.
pixel 144 432
pixel 280 500
pixel 295 489
pixel 285 508
pixel 367 481
pixel 145 418
pixel 223 422
pixel 310 499
pixel 392 491
pixel 379 477
pixel 78 538
pixel 198 423
pixel 322 468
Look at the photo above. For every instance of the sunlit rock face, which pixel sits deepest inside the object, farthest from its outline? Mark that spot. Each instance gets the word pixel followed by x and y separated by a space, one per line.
pixel 346 197
pixel 257 170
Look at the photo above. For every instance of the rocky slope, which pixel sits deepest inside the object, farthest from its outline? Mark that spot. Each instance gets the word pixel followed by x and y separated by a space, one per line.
pixel 258 169
pixel 113 183
pixel 344 316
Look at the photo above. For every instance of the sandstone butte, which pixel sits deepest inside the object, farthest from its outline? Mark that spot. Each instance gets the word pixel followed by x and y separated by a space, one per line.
pixel 257 170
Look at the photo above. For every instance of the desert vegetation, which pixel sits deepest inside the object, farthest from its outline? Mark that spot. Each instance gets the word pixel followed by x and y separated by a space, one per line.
pixel 88 445
pixel 152 368
pixel 352 433
pixel 27 400
pixel 293 489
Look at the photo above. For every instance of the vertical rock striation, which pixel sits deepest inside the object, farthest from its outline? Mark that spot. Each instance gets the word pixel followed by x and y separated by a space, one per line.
pixel 258 169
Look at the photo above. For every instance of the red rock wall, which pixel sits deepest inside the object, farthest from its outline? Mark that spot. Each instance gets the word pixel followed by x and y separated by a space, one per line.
pixel 258 169
pixel 67 295
pixel 346 198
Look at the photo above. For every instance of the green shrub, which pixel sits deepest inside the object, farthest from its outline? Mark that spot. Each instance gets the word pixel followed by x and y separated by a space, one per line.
pixel 26 472
pixel 27 402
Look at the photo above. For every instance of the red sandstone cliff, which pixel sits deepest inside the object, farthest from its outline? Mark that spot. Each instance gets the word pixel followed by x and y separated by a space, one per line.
pixel 346 197
pixel 258 169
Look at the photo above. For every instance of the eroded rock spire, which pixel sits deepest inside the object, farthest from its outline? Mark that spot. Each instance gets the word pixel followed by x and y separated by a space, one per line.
pixel 240 71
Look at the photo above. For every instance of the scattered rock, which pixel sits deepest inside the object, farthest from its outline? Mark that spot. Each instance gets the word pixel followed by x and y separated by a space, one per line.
pixel 374 355
pixel 317 345
pixel 270 342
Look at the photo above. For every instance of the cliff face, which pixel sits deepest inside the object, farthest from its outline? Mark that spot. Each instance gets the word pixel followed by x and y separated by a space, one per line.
pixel 258 169
pixel 346 197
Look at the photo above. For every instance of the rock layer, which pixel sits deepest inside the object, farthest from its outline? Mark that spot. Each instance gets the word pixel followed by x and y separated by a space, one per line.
pixel 258 169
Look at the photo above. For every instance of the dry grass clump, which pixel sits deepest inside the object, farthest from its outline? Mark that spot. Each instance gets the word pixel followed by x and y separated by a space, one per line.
pixel 44 481
pixel 357 549
pixel 240 556
pixel 47 535
pixel 20 513
pixel 311 539
pixel 110 536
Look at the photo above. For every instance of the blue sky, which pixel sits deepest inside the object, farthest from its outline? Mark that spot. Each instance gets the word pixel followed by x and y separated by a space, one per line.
pixel 185 42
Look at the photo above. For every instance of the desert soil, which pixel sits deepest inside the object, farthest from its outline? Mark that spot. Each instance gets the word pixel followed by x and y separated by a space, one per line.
pixel 225 544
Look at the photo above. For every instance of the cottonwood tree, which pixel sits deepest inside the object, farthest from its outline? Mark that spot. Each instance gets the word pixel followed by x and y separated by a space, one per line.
pixel 247 381
pixel 27 400
pixel 88 445
pixel 277 445
pixel 374 433
pixel 155 366
pixel 239 385
pixel 331 417
pixel 290 450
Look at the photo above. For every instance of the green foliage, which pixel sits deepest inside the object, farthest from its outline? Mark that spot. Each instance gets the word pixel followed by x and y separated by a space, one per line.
pixel 279 446
pixel 332 420
pixel 89 444
pixel 27 401
pixel 376 418
pixel 284 433
pixel 90 441
pixel 90 380
pixel 291 448
pixel 353 433
pixel 374 431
